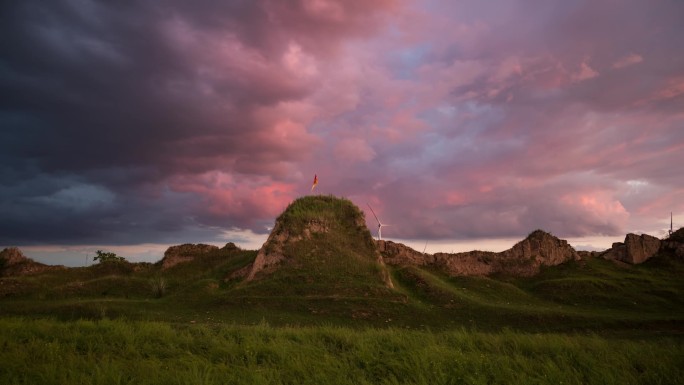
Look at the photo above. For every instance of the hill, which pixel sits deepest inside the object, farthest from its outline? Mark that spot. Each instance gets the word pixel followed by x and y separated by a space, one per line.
pixel 319 246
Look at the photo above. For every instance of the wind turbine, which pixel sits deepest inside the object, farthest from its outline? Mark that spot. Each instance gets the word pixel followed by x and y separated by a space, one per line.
pixel 380 224
pixel 670 223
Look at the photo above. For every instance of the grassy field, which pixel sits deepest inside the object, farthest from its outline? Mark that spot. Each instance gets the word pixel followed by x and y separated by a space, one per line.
pixel 592 322
pixel 137 352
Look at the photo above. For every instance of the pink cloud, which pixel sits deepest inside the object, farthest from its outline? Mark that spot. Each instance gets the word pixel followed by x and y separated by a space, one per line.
pixel 354 150
pixel 598 205
pixel 627 61
pixel 584 73
pixel 673 89
pixel 230 196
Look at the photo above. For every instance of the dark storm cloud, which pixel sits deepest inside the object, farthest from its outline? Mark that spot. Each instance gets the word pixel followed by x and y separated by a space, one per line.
pixel 103 102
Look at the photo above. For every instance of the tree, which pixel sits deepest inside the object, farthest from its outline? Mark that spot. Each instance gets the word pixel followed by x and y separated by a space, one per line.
pixel 104 257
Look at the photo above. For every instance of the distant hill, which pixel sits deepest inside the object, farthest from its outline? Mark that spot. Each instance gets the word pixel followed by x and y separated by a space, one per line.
pixel 524 259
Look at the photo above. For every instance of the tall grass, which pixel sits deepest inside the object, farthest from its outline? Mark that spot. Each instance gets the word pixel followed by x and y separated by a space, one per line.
pixel 123 352
pixel 158 286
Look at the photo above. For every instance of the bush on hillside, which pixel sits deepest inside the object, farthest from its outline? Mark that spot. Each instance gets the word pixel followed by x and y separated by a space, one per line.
pixel 107 257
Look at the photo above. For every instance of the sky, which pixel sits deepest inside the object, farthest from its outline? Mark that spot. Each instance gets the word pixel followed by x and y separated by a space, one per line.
pixel 134 125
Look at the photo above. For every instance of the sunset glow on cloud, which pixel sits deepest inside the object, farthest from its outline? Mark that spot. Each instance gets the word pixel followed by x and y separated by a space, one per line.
pixel 174 122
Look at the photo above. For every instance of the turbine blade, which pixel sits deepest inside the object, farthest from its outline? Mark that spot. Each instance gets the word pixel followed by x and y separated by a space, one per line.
pixel 376 217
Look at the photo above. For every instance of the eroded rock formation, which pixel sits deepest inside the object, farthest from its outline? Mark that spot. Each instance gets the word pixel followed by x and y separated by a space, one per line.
pixel 12 256
pixel 184 253
pixel 634 250
pixel 271 253
pixel 524 259
pixel 14 262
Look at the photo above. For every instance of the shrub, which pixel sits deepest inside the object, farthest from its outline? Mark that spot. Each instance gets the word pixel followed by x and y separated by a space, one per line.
pixel 158 285
pixel 106 257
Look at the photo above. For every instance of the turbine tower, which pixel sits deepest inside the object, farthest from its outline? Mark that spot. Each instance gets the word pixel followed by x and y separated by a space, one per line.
pixel 380 224
pixel 670 223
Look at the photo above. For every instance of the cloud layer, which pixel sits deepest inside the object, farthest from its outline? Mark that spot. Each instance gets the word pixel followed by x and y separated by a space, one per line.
pixel 140 122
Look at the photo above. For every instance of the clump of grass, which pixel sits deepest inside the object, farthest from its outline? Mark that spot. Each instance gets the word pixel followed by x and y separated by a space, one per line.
pixel 158 286
pixel 327 208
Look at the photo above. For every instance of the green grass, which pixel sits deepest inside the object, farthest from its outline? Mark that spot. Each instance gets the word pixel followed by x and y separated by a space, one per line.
pixel 127 352
pixel 337 212
pixel 588 322
pixel 592 295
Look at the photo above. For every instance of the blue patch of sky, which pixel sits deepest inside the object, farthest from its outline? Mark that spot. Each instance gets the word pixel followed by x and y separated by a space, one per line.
pixel 458 129
pixel 461 120
pixel 78 197
pixel 404 62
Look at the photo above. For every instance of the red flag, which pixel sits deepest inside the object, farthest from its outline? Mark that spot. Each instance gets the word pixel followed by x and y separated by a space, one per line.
pixel 315 182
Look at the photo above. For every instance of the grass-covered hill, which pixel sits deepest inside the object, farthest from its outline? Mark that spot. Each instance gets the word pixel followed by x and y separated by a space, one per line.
pixel 319 247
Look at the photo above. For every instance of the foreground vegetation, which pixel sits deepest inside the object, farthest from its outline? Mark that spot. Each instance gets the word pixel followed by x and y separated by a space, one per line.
pixel 134 352
pixel 589 322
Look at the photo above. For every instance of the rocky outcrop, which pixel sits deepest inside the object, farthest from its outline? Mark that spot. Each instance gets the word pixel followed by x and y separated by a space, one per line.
pixel 586 254
pixel 400 254
pixel 271 253
pixel 523 259
pixel 673 245
pixel 185 253
pixel 635 249
pixel 543 247
pixel 474 262
pixel 12 256
pixel 675 248
pixel 13 262
pixel 640 247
